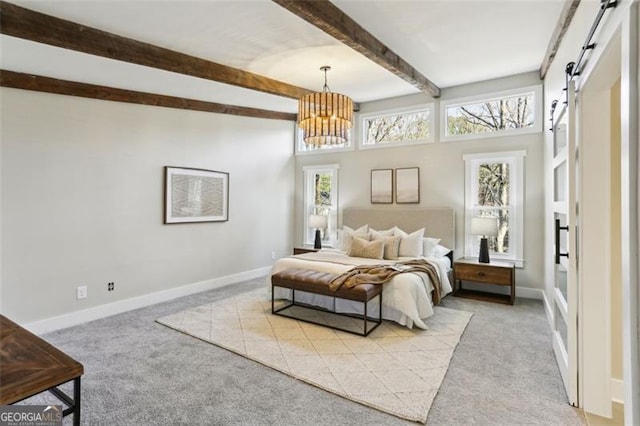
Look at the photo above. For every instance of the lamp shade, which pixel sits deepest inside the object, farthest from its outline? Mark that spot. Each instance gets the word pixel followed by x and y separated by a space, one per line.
pixel 325 117
pixel 317 221
pixel 487 226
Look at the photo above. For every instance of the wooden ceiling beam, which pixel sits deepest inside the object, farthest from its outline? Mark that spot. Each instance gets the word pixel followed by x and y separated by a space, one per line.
pixel 333 21
pixel 568 11
pixel 17 80
pixel 27 24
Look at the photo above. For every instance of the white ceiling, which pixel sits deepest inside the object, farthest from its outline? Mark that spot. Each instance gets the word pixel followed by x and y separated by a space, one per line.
pixel 451 42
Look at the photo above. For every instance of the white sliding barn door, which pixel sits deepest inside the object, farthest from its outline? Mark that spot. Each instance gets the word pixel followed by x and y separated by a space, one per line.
pixel 565 220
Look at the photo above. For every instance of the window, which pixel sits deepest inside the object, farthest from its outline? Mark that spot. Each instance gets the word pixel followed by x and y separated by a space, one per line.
pixel 497 114
pixel 494 187
pixel 303 149
pixel 320 197
pixel 406 126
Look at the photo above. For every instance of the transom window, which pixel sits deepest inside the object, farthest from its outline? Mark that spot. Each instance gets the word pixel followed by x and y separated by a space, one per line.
pixel 302 148
pixel 494 188
pixel 504 113
pixel 406 126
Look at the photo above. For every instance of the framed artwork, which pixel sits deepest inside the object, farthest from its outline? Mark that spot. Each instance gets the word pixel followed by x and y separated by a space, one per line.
pixel 195 195
pixel 382 186
pixel 408 185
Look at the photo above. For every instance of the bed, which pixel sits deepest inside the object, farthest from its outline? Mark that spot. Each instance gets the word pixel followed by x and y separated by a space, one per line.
pixel 407 298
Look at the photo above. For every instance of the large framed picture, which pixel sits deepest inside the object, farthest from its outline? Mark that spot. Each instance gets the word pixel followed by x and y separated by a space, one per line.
pixel 382 186
pixel 408 185
pixel 195 195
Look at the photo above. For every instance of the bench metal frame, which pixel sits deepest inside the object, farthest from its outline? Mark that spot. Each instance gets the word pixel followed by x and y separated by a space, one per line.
pixel 365 317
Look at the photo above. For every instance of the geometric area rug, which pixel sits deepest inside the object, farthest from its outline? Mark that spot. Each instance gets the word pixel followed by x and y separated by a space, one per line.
pixel 395 369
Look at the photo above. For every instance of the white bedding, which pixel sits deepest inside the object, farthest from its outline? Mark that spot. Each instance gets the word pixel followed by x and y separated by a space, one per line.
pixel 406 299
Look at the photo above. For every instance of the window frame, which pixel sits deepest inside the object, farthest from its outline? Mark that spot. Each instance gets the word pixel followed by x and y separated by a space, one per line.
pixel 487 97
pixel 299 144
pixel 308 207
pixel 396 111
pixel 516 207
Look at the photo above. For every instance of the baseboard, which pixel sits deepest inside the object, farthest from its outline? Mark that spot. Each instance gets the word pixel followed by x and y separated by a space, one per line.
pixel 548 309
pixel 102 311
pixel 617 391
pixel 529 293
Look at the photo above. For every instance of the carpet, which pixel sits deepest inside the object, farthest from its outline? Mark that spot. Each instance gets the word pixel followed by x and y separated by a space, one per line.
pixel 394 369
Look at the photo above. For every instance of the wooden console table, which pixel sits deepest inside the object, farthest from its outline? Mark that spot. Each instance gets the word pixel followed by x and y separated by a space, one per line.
pixel 29 366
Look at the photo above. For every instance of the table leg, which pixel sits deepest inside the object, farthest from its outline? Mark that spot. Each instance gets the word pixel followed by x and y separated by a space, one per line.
pixel 77 402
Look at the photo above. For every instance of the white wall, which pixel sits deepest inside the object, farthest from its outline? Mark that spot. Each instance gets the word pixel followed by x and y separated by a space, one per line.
pixel 442 171
pixel 82 200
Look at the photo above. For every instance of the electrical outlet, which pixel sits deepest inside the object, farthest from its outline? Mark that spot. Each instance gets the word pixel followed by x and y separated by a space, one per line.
pixel 273 255
pixel 111 286
pixel 81 292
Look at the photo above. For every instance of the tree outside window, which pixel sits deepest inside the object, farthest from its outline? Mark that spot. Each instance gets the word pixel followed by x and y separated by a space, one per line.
pixel 515 111
pixel 397 127
pixel 494 187
pixel 493 201
pixel 321 198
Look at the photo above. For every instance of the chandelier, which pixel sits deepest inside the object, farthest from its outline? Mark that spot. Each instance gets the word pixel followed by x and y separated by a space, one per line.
pixel 325 117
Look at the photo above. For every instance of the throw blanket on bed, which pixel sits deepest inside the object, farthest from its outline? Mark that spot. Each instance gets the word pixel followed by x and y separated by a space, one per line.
pixel 380 274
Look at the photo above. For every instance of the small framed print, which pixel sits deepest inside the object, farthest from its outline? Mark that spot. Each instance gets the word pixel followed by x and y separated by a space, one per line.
pixel 382 186
pixel 195 195
pixel 408 185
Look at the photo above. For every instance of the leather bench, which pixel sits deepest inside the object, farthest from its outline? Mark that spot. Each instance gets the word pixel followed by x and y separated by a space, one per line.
pixel 316 282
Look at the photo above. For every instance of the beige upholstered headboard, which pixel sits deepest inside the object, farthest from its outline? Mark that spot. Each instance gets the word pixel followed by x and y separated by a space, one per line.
pixel 439 222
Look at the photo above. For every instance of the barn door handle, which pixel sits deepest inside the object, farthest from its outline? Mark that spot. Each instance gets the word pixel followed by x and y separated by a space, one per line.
pixel 558 229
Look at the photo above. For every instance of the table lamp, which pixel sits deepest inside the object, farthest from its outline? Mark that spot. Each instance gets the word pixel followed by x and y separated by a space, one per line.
pixel 487 227
pixel 318 222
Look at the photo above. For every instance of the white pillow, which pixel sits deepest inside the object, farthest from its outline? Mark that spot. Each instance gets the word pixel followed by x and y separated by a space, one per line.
pixel 362 230
pixel 428 246
pixel 385 233
pixel 347 240
pixel 411 244
pixel 440 251
pixel 344 236
pixel 397 232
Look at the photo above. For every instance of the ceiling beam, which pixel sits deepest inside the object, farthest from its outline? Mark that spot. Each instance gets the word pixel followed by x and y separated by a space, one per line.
pixel 17 80
pixel 27 24
pixel 327 17
pixel 568 11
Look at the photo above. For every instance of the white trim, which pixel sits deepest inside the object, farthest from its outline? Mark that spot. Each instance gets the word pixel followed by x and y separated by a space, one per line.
pixel 516 158
pixel 530 293
pixel 538 116
pixel 395 111
pixel 108 309
pixel 630 113
pixel 617 391
pixel 307 206
pixel 548 309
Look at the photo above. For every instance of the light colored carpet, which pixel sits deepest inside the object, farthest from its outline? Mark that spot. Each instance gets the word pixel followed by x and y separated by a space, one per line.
pixel 394 369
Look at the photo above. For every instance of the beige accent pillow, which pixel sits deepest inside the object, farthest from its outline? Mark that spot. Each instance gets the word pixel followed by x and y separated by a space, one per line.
pixel 364 248
pixel 348 237
pixel 344 236
pixel 391 246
